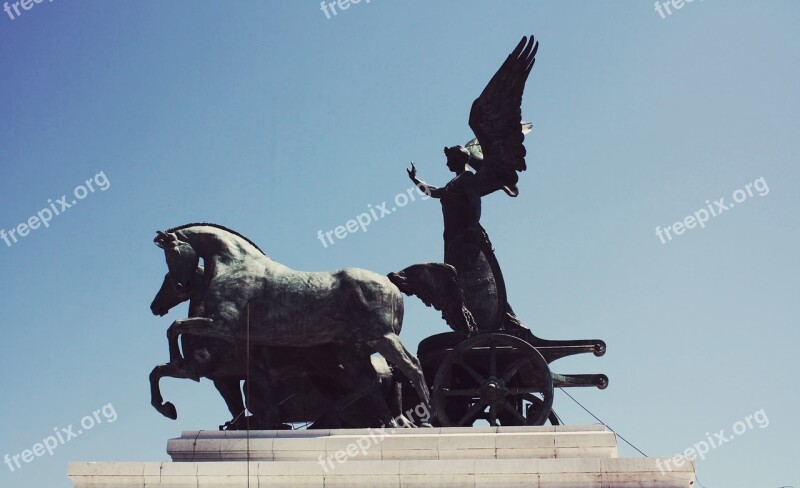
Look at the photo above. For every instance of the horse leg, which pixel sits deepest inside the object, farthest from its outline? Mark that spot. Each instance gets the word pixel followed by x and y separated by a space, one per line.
pixel 231 392
pixel 261 396
pixel 173 370
pixel 359 376
pixel 395 352
pixel 394 400
pixel 199 326
pixel 175 355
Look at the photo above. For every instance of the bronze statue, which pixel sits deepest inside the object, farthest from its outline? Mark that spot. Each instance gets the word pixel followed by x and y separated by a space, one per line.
pixel 496 155
pixel 305 342
pixel 307 381
pixel 292 324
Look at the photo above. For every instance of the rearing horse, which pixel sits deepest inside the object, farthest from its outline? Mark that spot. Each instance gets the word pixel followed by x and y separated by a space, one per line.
pixel 211 359
pixel 253 299
pixel 314 368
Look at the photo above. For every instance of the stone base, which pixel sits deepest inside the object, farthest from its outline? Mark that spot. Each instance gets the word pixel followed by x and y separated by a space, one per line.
pixel 560 456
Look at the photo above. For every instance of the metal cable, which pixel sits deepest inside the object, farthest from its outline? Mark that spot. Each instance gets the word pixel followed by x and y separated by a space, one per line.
pixel 609 427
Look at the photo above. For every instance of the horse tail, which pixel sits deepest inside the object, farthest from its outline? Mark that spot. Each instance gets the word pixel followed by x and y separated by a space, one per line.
pixel 436 284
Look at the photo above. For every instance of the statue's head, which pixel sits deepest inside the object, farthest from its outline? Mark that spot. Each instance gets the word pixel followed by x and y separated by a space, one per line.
pixel 457 158
pixel 182 260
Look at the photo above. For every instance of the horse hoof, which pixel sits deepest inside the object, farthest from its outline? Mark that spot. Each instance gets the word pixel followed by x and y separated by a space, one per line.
pixel 402 422
pixel 170 411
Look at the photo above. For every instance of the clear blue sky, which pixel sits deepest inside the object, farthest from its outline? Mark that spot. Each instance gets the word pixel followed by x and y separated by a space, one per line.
pixel 276 121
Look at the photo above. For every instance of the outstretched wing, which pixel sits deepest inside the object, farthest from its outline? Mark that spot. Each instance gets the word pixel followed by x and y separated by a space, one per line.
pixel 496 116
pixel 475 150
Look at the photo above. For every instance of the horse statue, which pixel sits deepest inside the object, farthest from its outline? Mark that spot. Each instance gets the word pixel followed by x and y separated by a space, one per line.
pixel 225 365
pixel 209 359
pixel 252 300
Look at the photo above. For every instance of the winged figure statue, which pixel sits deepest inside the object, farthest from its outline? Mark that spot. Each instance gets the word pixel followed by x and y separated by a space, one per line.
pixel 496 155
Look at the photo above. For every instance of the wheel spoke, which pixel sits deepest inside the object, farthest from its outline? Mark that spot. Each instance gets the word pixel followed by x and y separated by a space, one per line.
pixel 517 415
pixel 475 375
pixel 513 369
pixel 472 412
pixel 473 392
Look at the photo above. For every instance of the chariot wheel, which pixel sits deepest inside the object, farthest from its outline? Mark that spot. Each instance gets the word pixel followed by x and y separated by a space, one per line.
pixel 496 377
pixel 530 405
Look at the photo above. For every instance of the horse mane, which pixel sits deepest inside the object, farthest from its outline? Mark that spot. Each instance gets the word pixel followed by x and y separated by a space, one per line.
pixel 216 226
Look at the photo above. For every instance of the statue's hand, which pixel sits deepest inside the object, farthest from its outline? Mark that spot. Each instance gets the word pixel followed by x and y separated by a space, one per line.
pixel 412 173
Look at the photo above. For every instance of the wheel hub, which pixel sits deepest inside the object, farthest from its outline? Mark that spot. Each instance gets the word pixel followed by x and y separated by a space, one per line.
pixel 493 390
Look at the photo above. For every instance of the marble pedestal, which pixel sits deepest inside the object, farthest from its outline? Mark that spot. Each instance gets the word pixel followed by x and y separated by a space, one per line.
pixel 547 456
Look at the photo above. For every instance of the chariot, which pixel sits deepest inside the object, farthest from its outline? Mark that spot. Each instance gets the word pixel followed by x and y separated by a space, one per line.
pixel 499 373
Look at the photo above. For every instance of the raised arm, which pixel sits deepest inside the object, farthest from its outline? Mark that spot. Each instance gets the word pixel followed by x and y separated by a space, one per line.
pixel 429 190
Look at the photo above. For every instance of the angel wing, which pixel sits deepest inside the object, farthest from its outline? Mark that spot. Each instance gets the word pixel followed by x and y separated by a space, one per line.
pixel 496 117
pixel 473 146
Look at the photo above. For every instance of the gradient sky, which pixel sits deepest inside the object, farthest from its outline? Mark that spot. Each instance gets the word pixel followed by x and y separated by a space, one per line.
pixel 276 121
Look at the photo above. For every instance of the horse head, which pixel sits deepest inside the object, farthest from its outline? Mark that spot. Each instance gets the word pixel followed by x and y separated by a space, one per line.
pixel 167 298
pixel 182 260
